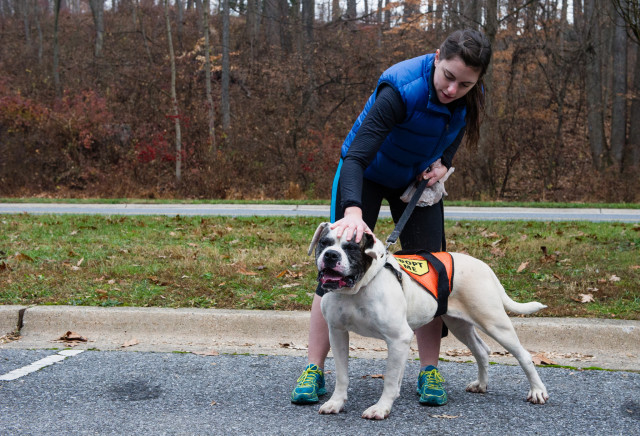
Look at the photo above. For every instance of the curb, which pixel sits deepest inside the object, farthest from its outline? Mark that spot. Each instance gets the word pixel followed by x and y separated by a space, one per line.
pixel 576 342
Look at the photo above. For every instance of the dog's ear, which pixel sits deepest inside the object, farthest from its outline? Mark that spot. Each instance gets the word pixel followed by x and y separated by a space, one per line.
pixel 376 250
pixel 367 241
pixel 316 237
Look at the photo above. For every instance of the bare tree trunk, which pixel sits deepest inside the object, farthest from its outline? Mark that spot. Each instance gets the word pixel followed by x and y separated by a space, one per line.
pixel 207 78
pixel 56 48
pixel 174 98
pixel 97 9
pixel 632 157
pixel 595 117
pixel 486 153
pixel 472 14
pixel 179 21
pixel 335 10
pixel 271 13
pixel 36 16
pixel 226 116
pixel 619 97
pixel 142 31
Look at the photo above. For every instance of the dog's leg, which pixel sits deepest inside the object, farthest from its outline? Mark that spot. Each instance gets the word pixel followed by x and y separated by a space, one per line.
pixel 466 333
pixel 398 354
pixel 501 329
pixel 339 340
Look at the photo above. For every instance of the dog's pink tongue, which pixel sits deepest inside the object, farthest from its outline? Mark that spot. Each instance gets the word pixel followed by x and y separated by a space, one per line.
pixel 331 275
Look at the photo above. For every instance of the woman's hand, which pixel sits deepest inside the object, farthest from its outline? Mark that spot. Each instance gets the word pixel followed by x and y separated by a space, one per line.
pixel 352 224
pixel 435 172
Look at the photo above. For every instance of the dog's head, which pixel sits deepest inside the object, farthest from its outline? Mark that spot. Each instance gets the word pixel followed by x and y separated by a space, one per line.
pixel 345 265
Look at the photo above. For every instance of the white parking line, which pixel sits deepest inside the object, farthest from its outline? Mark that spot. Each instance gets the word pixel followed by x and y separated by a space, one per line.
pixel 38 365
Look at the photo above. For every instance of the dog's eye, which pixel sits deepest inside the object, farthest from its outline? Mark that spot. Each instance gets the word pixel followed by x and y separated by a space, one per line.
pixel 323 242
pixel 351 246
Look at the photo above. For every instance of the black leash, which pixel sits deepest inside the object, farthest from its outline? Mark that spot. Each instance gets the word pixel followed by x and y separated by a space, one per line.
pixel 393 237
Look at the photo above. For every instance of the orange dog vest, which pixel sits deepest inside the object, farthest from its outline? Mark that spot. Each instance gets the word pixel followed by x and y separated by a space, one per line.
pixel 434 271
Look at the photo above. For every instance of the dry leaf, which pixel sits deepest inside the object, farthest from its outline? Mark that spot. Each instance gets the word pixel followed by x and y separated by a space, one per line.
pixel 72 337
pixel 244 272
pixel 443 416
pixel 22 257
pixel 130 343
pixel 522 266
pixel 614 278
pixel 585 298
pixel 292 346
pixel 458 353
pixel 80 262
pixel 213 403
pixel 542 359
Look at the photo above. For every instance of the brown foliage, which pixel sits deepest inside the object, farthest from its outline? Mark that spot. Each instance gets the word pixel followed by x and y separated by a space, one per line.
pixel 111 133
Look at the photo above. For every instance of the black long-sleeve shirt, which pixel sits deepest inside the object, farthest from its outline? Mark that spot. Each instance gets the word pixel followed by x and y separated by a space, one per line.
pixel 387 111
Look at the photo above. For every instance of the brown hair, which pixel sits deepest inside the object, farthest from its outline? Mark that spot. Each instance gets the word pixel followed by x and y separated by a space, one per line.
pixel 474 48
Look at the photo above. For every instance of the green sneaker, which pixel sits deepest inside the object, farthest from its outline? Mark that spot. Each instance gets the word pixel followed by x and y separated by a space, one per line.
pixel 309 386
pixel 430 387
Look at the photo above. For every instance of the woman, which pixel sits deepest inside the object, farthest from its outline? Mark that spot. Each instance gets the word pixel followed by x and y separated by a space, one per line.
pixel 410 128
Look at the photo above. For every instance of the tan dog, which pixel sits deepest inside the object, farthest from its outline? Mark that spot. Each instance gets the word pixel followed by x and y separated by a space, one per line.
pixel 368 299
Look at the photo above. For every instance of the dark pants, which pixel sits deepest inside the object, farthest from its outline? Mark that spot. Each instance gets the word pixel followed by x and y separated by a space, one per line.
pixel 424 229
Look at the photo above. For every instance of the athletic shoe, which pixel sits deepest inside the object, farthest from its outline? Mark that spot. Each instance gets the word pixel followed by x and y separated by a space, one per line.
pixel 430 387
pixel 309 386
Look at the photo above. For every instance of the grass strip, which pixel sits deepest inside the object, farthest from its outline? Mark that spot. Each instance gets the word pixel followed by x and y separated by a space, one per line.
pixel 576 268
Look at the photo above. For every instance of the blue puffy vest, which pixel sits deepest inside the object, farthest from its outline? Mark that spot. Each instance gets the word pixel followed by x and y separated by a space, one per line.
pixel 428 129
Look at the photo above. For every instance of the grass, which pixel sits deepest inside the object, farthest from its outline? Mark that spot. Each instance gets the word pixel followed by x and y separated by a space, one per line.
pixel 261 262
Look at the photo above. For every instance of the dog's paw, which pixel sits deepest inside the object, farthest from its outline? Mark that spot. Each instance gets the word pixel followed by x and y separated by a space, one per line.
pixel 376 411
pixel 331 406
pixel 477 387
pixel 537 396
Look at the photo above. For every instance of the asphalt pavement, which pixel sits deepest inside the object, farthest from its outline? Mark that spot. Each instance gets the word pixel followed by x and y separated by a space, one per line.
pixel 210 371
pixel 451 212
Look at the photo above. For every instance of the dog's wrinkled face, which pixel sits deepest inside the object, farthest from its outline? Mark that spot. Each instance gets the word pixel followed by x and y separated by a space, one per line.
pixel 341 263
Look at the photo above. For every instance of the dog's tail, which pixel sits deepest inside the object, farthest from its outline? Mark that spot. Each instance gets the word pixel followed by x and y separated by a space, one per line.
pixel 513 306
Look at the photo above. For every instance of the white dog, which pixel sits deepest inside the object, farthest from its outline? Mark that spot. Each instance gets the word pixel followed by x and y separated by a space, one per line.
pixel 368 299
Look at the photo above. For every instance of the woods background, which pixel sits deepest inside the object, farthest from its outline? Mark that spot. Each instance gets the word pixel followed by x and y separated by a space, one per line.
pixel 253 98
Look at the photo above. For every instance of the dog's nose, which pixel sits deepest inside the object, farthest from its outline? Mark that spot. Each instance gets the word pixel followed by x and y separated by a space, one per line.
pixel 331 256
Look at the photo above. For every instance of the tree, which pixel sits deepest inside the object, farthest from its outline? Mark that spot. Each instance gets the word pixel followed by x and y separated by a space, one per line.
pixel 619 98
pixel 629 11
pixel 56 49
pixel 225 106
pixel 211 111
pixel 97 10
pixel 633 150
pixel 174 99
pixel 595 113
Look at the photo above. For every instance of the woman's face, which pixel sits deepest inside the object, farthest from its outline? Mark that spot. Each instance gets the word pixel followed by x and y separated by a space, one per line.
pixel 453 78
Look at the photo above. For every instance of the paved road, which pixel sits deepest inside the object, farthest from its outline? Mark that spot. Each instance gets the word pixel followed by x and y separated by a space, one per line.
pixel 454 213
pixel 107 392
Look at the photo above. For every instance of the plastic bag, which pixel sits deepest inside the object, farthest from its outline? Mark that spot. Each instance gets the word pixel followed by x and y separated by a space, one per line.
pixel 431 195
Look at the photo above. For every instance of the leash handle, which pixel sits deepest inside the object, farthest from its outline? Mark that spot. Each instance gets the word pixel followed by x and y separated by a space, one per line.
pixel 393 237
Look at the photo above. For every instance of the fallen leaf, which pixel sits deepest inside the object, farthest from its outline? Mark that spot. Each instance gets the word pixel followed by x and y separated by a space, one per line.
pixel 458 353
pixel 72 337
pixel 102 294
pixel 443 416
pixel 244 272
pixel 585 298
pixel 130 343
pixel 22 257
pixel 614 278
pixel 292 346
pixel 522 266
pixel 80 262
pixel 213 403
pixel 542 359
